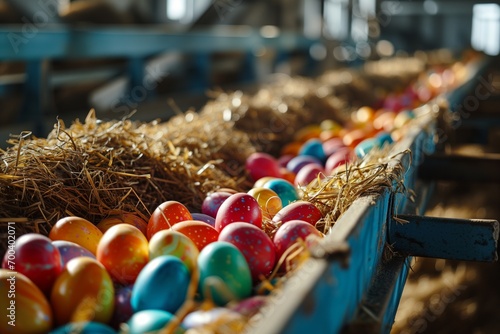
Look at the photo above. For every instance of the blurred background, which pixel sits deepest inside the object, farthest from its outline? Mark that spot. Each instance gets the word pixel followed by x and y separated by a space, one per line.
pixel 60 58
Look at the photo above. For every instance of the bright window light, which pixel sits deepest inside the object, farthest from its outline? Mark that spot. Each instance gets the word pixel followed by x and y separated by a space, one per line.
pixel 176 9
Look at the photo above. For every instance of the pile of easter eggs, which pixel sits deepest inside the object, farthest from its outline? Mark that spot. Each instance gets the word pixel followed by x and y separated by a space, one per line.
pixel 129 274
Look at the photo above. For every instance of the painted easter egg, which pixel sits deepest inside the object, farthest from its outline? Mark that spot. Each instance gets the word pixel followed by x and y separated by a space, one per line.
pixel 69 250
pixel 167 215
pixel 83 292
pixel 37 258
pixel 124 218
pixel 25 309
pixel 77 230
pixel 168 242
pixel 200 233
pixel 240 207
pixel 123 250
pixel 224 273
pixel 161 285
pixel 254 244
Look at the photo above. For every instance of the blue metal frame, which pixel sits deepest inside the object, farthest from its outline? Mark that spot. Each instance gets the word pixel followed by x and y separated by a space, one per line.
pixel 66 42
pixel 58 41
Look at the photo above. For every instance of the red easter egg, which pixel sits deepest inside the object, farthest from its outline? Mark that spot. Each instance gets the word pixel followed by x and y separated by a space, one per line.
pixel 167 215
pixel 261 164
pixel 287 234
pixel 256 246
pixel 213 201
pixel 124 218
pixel 37 258
pixel 341 157
pixel 299 210
pixel 284 159
pixel 124 251
pixel 77 230
pixel 199 232
pixel 332 145
pixel 308 173
pixel 239 207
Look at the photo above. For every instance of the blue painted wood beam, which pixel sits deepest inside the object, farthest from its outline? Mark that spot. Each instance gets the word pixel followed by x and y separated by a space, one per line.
pixel 447 238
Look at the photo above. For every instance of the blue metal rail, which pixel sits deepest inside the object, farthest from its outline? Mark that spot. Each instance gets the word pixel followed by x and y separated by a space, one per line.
pixel 34 45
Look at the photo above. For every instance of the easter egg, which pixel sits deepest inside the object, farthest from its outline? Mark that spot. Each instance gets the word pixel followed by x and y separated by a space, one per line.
pixel 260 164
pixel 84 327
pixel 296 163
pixel 384 138
pixel 123 309
pixel 329 124
pixel 217 317
pixel 224 273
pixel 123 250
pixel 212 203
pixel 332 145
pixel 161 285
pixel 363 115
pixel 35 257
pixel 24 307
pixel 353 137
pixel 287 234
pixel 287 175
pixel 300 210
pixel 168 242
pixel 365 147
pixel 200 233
pixel 291 148
pixel 83 292
pixel 204 218
pixel 285 190
pixel 151 321
pixel 341 157
pixel 307 132
pixel 124 218
pixel 384 120
pixel 77 230
pixel 227 190
pixel 260 182
pixel 308 173
pixel 254 244
pixel 69 250
pixel 314 148
pixel 250 306
pixel 269 201
pixel 239 207
pixel 167 215
pixel 285 159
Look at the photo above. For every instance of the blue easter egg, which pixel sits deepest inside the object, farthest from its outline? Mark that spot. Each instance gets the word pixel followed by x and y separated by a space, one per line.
pixel 365 146
pixel 384 138
pixel 148 321
pixel 314 148
pixel 161 285
pixel 284 189
pixel 84 327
